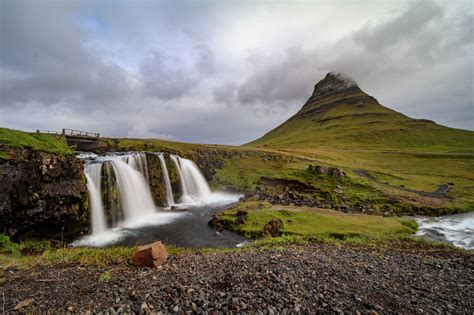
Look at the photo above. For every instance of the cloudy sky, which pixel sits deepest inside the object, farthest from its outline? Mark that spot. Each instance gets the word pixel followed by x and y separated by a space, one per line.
pixel 225 71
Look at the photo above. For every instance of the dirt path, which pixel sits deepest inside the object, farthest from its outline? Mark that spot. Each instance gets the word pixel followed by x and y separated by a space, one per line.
pixel 296 279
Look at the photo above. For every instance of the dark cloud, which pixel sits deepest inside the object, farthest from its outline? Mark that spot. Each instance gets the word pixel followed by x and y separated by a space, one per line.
pixel 44 60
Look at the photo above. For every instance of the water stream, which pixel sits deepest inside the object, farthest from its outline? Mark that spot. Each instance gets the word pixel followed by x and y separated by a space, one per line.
pixel 119 190
pixel 456 229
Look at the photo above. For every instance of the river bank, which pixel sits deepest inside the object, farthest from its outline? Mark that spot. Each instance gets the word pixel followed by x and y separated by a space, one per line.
pixel 299 278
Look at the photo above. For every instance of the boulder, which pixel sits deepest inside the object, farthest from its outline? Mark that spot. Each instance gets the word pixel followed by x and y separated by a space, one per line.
pixel 150 255
pixel 273 227
pixel 325 170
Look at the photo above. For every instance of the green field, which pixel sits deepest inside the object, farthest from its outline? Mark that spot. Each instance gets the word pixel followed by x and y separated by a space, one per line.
pixel 300 223
pixel 16 139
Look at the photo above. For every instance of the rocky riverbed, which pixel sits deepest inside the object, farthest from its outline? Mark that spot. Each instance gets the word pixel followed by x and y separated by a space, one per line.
pixel 297 279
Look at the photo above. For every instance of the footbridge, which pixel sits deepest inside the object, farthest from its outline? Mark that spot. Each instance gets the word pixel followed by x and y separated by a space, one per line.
pixel 80 140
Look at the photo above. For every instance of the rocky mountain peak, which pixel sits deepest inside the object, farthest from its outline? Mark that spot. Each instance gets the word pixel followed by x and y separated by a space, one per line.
pixel 333 83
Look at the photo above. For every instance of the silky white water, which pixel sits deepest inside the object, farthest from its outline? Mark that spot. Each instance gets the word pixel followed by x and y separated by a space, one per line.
pixel 457 229
pixel 135 195
pixel 166 181
pixel 138 162
pixel 93 176
pixel 194 185
pixel 184 192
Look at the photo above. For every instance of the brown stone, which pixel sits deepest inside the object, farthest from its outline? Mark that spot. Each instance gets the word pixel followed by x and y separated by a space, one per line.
pixel 150 255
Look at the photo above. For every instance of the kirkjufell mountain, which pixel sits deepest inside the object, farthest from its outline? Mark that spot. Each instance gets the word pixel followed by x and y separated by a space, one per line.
pixel 340 115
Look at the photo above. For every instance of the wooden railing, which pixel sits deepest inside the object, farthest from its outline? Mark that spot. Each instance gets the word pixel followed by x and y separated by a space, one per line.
pixel 71 133
pixel 79 133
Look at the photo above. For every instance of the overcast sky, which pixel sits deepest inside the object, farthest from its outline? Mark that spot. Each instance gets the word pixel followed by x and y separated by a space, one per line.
pixel 226 71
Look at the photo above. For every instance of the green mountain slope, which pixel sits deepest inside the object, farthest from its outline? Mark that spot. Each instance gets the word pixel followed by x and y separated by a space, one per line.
pixel 339 115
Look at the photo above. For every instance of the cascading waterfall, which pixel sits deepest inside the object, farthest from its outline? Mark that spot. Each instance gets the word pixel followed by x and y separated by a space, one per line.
pixel 195 183
pixel 124 184
pixel 166 181
pixel 93 175
pixel 138 162
pixel 135 195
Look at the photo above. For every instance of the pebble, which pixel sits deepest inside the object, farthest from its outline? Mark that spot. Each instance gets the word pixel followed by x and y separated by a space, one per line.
pixel 306 279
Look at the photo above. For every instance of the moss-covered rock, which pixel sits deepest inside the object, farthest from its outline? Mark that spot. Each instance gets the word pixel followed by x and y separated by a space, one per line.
pixel 42 194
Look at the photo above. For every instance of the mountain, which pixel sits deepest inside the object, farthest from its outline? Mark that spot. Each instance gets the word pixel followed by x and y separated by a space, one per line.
pixel 339 115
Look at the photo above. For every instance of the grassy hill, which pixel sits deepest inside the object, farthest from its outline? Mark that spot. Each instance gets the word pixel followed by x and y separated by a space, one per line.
pixel 342 125
pixel 339 115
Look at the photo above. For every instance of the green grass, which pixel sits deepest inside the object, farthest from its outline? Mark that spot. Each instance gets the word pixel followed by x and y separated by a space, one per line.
pixel 31 253
pixel 318 224
pixel 246 172
pixel 16 139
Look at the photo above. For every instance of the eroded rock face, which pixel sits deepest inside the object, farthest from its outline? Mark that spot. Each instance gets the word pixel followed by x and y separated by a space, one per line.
pixel 42 194
pixel 334 83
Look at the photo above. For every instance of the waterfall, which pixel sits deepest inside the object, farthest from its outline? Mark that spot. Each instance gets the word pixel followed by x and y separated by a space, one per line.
pixel 121 188
pixel 93 176
pixel 166 181
pixel 184 192
pixel 138 162
pixel 193 182
pixel 135 195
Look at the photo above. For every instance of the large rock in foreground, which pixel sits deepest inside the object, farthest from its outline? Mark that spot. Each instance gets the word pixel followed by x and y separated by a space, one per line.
pixel 150 255
pixel 42 194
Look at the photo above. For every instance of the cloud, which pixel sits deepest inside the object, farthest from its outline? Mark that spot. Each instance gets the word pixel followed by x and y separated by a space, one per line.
pixel 407 61
pixel 224 72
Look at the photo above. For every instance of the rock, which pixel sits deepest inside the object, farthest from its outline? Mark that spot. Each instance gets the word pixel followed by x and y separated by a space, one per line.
pixel 42 194
pixel 215 222
pixel 241 216
pixel 150 255
pixel 273 227
pixel 336 172
pixel 325 170
pixel 23 304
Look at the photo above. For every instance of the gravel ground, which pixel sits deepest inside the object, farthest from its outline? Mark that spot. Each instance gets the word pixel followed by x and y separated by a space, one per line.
pixel 305 279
